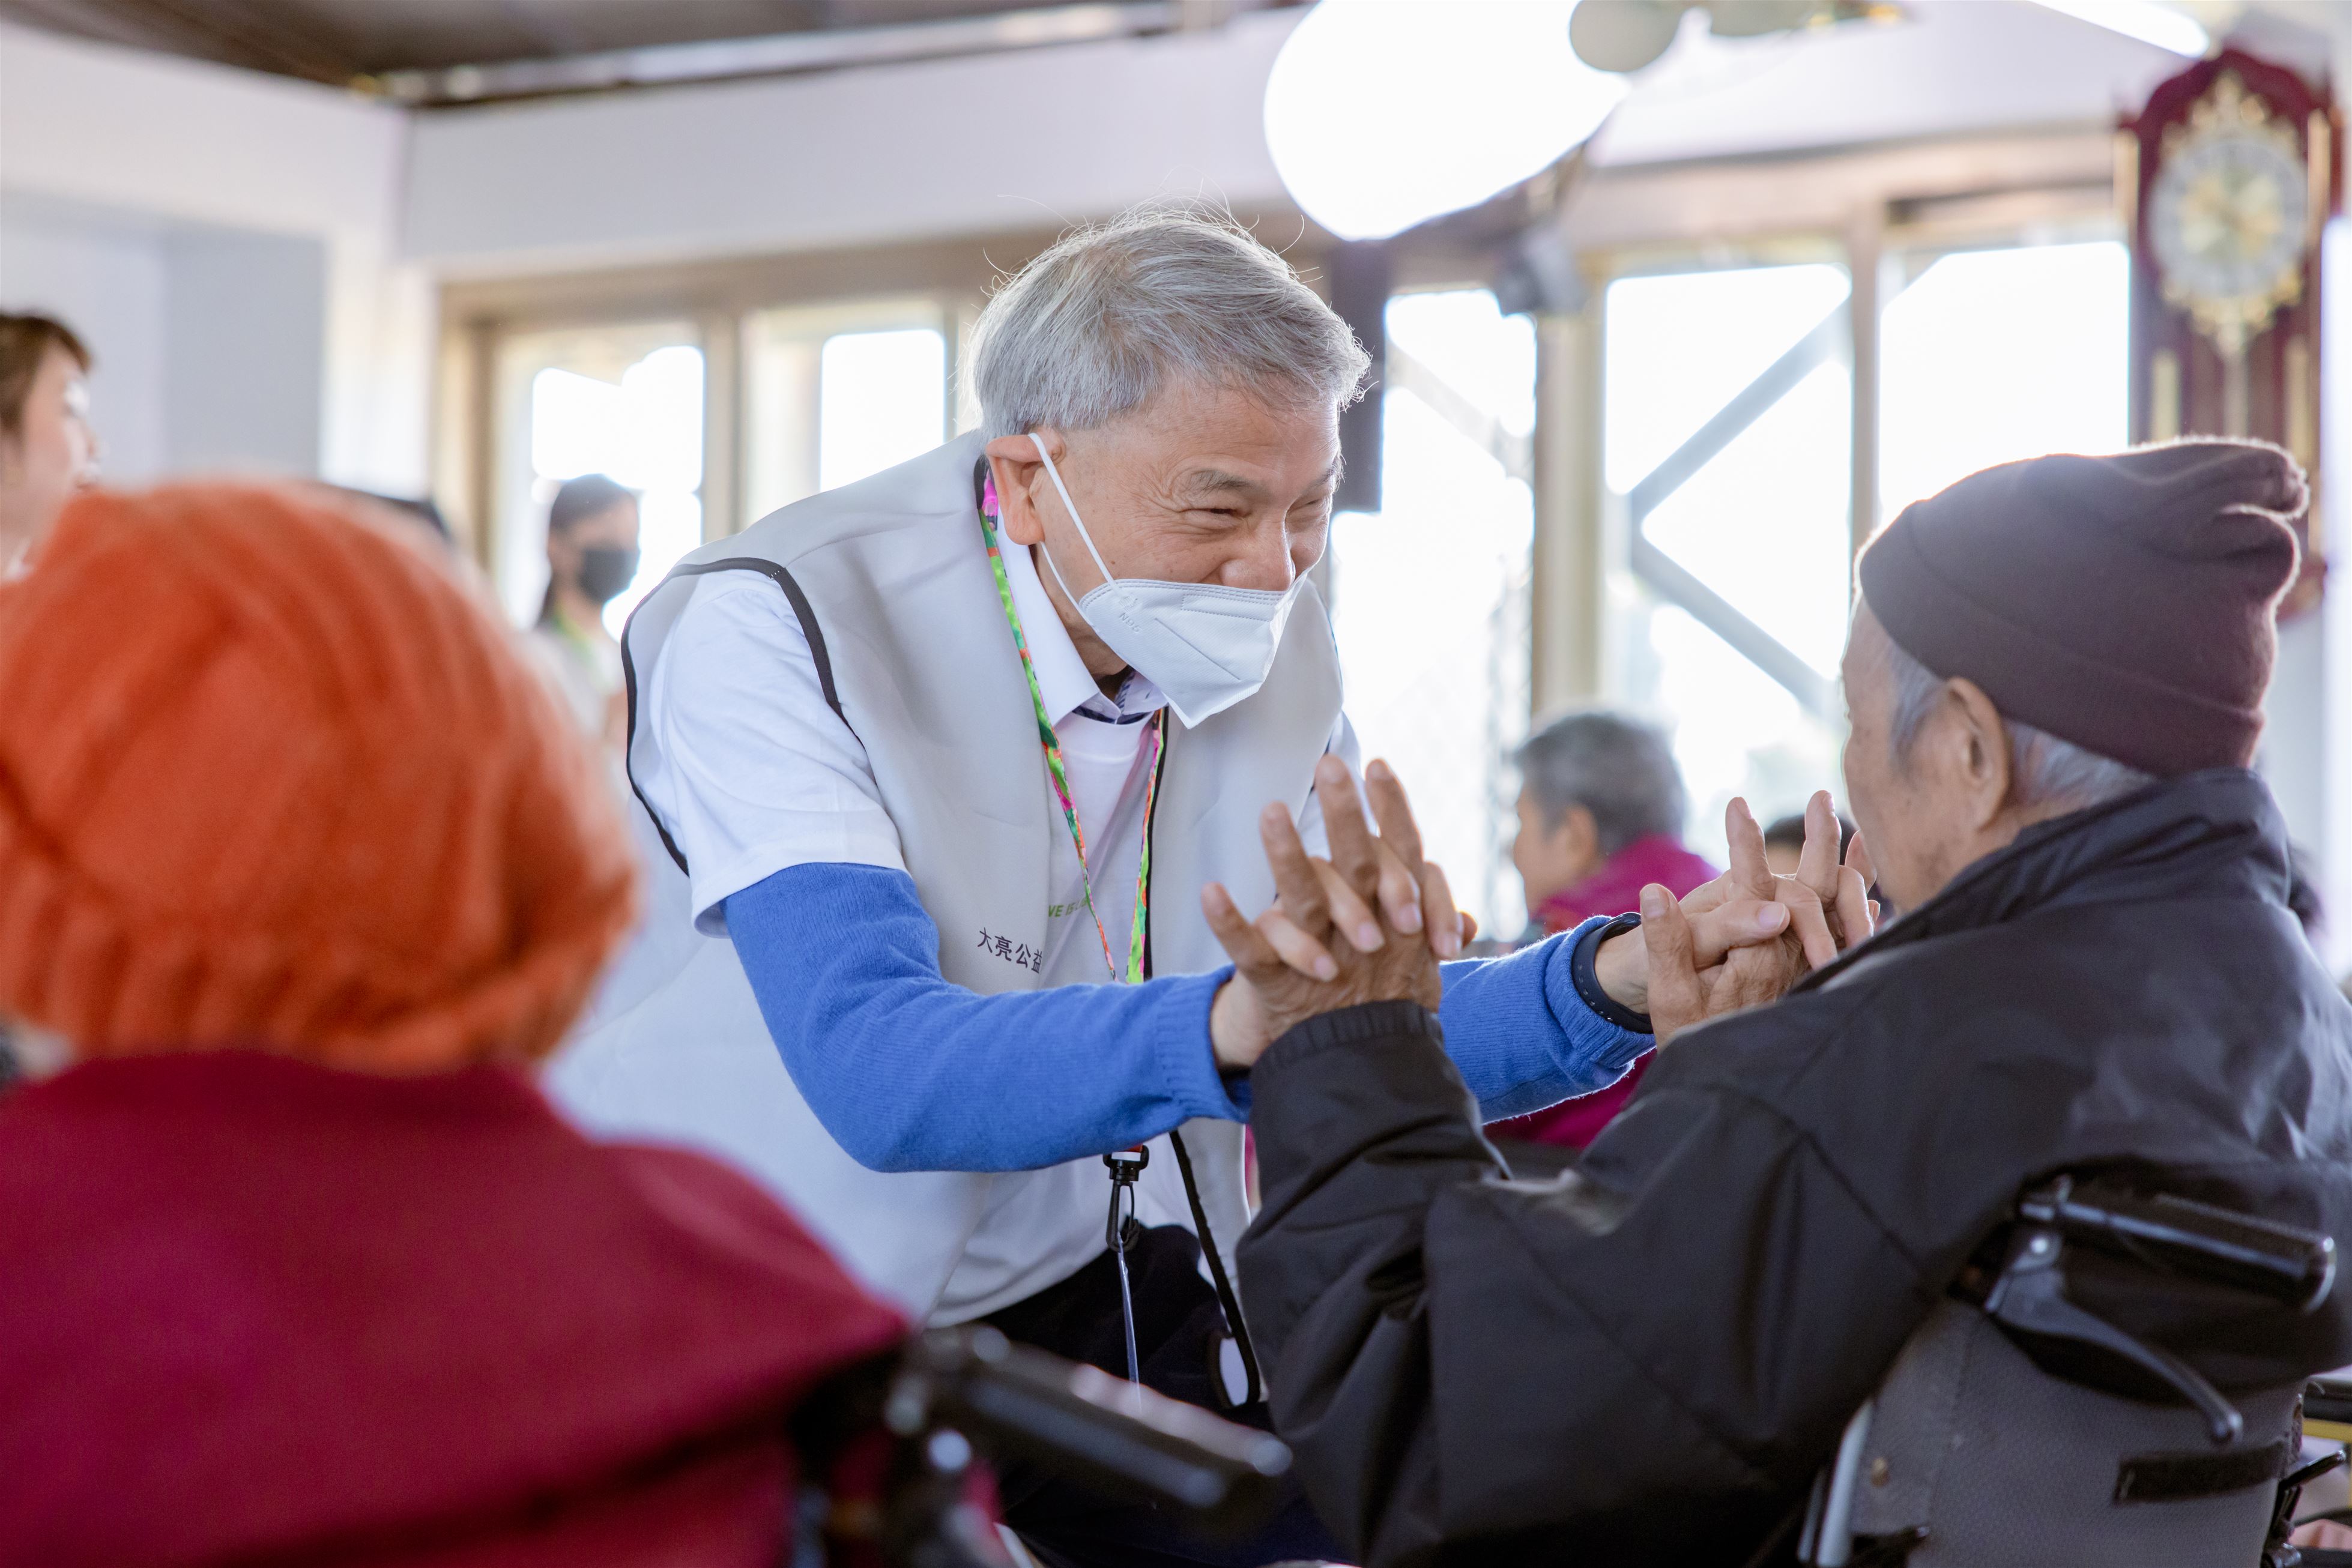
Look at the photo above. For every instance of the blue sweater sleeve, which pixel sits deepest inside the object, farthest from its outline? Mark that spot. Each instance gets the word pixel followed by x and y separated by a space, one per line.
pixel 909 1072
pixel 1521 1036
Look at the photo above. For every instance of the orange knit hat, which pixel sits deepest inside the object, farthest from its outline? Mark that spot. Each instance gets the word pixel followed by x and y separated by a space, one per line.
pixel 269 775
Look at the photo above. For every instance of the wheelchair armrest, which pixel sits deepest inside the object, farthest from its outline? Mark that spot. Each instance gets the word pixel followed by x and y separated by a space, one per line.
pixel 2029 1302
pixel 2293 1267
pixel 2170 1238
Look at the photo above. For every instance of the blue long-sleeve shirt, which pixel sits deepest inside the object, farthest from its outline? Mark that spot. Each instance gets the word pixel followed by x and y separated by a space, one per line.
pixel 910 1072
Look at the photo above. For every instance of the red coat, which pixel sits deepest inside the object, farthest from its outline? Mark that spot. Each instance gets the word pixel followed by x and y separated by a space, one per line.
pixel 254 1307
pixel 1615 889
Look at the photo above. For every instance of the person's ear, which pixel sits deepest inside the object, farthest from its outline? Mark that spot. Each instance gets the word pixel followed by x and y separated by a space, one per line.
pixel 1980 747
pixel 1012 461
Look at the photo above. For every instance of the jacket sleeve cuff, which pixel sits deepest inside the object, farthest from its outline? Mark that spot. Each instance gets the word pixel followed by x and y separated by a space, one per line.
pixel 1354 1025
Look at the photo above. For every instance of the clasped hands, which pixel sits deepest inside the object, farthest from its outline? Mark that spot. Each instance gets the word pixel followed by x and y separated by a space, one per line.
pixel 1372 922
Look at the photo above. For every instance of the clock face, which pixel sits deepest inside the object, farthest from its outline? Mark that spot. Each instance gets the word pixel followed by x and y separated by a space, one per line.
pixel 2226 218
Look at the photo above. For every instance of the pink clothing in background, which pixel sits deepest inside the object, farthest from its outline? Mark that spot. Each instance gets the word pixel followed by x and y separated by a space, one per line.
pixel 1615 889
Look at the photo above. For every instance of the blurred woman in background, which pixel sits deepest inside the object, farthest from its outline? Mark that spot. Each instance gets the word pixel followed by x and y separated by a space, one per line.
pixel 1600 816
pixel 591 556
pixel 48 450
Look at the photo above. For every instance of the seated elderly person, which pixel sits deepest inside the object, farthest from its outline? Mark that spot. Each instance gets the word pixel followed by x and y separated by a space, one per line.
pixel 300 871
pixel 1601 817
pixel 2055 677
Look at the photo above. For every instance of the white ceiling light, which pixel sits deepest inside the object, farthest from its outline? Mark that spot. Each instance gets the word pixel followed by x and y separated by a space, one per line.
pixel 1383 113
pixel 2143 19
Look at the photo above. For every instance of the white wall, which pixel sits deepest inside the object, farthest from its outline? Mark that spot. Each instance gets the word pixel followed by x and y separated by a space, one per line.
pixel 942 148
pixel 190 148
pixel 245 357
pixel 104 276
pixel 1951 68
pixel 210 343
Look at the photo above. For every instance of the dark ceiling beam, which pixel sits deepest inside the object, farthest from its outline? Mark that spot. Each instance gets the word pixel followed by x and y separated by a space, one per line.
pixel 784 53
pixel 549 30
pixel 217 30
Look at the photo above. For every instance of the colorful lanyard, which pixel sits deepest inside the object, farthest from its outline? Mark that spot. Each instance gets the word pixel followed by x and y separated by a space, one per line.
pixel 1138 940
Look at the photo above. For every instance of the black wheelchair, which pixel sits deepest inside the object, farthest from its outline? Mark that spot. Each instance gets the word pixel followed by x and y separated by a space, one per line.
pixel 893 1448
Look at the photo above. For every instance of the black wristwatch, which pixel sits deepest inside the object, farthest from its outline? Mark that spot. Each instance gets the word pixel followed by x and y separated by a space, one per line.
pixel 1588 981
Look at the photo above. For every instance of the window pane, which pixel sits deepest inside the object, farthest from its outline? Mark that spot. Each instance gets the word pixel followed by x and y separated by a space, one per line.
pixel 883 400
pixel 1682 345
pixel 1430 594
pixel 835 392
pixel 623 401
pixel 1735 730
pixel 1766 523
pixel 1993 355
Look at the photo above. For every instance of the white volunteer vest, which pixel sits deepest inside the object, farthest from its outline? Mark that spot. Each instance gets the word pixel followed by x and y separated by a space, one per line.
pixel 890 580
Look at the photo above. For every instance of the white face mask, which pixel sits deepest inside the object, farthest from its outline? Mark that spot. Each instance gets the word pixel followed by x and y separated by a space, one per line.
pixel 1204 645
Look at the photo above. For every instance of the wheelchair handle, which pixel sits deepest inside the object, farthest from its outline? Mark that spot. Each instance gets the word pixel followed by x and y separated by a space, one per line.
pixel 1103 1432
pixel 2293 1267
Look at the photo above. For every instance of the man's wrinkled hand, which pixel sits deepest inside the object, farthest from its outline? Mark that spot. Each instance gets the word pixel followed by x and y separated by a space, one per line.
pixel 1681 993
pixel 1786 926
pixel 1368 925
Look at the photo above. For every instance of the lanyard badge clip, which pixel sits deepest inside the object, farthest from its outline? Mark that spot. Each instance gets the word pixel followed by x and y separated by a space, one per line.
pixel 1125 1165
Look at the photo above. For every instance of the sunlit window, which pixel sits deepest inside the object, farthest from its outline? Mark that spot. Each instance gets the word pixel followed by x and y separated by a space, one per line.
pixel 1766 524
pixel 1728 430
pixel 1682 345
pixel 1429 595
pixel 1992 355
pixel 836 393
pixel 1728 444
pixel 882 399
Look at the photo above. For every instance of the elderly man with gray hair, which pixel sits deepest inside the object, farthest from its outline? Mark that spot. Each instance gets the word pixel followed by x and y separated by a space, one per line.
pixel 948 758
pixel 2055 675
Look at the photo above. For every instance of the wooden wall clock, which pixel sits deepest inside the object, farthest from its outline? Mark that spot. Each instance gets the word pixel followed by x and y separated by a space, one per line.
pixel 2227 179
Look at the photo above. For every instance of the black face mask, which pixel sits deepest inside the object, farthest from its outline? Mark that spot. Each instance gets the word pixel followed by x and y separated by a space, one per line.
pixel 605 570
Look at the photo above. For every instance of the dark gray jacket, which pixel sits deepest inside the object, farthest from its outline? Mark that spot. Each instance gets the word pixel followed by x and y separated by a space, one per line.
pixel 1646 1360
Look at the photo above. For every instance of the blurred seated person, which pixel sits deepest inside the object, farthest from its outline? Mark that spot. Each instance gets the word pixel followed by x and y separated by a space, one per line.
pixel 1600 816
pixel 591 556
pixel 48 450
pixel 300 871
pixel 2055 677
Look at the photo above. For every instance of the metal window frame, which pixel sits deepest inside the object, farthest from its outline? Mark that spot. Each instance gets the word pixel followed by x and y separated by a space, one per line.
pixel 1869 205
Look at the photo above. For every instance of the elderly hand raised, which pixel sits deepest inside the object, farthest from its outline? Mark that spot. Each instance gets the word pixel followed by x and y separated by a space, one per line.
pixel 1830 909
pixel 1396 913
pixel 1286 969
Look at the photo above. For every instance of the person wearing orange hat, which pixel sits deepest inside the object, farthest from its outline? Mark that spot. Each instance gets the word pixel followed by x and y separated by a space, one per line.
pixel 301 871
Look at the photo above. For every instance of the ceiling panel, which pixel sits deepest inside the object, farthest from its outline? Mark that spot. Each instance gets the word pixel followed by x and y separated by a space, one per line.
pixel 337 40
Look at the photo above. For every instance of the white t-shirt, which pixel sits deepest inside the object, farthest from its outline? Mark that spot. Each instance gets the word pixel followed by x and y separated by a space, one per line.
pixel 754 774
